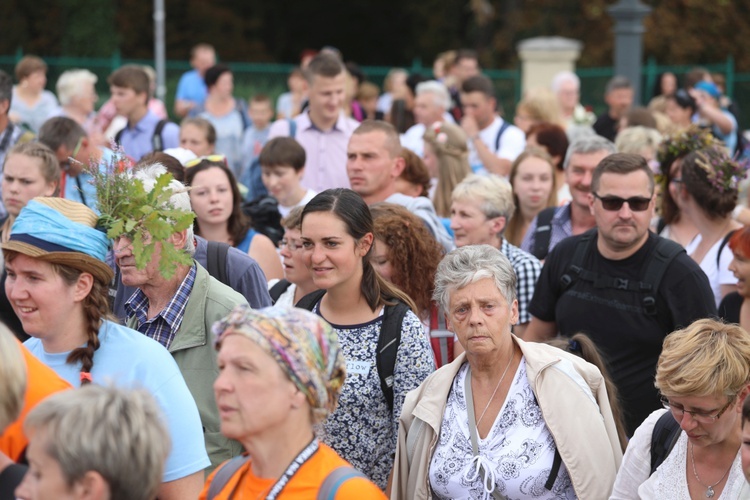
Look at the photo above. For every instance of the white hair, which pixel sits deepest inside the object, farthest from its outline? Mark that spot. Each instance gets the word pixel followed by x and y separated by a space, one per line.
pixel 71 82
pixel 438 90
pixel 562 77
pixel 180 200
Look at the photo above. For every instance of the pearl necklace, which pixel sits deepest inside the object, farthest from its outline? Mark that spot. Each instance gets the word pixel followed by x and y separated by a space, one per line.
pixel 709 489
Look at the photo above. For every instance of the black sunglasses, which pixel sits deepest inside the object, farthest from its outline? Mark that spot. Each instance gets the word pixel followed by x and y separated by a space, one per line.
pixel 614 203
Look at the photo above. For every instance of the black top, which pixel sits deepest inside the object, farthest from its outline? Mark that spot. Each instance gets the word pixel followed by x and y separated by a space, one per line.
pixel 614 319
pixel 10 478
pixel 7 315
pixel 729 309
pixel 606 126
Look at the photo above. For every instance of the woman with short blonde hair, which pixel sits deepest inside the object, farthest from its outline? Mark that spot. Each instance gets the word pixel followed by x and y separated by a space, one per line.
pixel 703 375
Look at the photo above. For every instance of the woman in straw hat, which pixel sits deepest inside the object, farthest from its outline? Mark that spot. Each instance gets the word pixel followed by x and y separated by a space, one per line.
pixel 281 372
pixel 57 284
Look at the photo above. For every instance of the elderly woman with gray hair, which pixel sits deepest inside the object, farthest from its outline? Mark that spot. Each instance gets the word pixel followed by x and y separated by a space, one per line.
pixel 506 418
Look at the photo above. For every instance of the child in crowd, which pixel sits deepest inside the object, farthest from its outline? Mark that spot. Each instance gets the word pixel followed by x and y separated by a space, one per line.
pixel 260 111
pixel 282 163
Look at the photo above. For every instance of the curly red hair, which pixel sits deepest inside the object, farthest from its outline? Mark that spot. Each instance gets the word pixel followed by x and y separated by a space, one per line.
pixel 412 250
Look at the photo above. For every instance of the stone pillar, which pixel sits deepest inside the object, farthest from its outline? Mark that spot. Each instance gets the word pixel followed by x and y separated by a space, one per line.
pixel 628 16
pixel 543 57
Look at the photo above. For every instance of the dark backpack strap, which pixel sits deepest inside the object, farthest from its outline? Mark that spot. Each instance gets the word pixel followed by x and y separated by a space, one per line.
pixel 388 342
pixel 579 256
pixel 660 225
pixel 277 289
pixel 156 140
pixel 721 247
pixel 292 127
pixel 663 438
pixel 556 462
pixel 543 233
pixel 335 479
pixel 216 264
pixel 500 132
pixel 308 301
pixel 118 135
pixel 224 474
pixel 664 252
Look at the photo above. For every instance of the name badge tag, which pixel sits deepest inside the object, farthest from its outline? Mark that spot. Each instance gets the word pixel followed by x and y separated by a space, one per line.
pixel 358 367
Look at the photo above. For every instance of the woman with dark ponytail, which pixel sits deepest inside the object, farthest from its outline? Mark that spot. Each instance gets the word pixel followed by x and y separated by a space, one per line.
pixel 337 239
pixel 57 285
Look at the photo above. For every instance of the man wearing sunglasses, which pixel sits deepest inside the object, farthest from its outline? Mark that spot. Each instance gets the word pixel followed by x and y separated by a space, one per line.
pixel 74 151
pixel 620 284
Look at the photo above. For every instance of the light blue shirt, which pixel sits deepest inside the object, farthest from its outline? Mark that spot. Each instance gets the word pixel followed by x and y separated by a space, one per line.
pixel 137 140
pixel 192 87
pixel 129 359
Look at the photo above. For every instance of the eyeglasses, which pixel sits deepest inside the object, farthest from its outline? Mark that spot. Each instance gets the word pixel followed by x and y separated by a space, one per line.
pixel 65 165
pixel 212 158
pixel 614 203
pixel 677 180
pixel 703 417
pixel 291 245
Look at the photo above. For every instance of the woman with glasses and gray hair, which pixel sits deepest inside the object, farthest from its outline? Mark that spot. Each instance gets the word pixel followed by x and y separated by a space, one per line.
pixel 703 375
pixel 507 418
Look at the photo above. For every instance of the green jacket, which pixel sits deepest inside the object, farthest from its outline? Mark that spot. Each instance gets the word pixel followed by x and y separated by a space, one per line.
pixel 193 350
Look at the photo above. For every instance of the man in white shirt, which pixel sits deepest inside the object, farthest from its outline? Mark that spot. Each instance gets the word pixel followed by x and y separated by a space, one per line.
pixel 430 105
pixel 493 143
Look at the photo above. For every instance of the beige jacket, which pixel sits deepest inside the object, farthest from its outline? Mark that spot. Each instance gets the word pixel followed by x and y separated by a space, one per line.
pixel 573 400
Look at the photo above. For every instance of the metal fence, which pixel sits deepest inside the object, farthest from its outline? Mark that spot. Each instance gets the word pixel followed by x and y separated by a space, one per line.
pixel 270 79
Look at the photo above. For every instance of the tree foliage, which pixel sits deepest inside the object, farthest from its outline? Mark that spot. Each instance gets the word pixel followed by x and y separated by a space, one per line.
pixel 388 32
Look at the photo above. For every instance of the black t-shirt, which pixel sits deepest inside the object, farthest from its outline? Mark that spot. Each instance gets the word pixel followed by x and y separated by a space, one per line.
pixel 729 309
pixel 629 339
pixel 606 126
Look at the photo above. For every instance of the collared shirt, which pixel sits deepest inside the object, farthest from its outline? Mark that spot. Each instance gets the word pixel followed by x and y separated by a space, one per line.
pixel 325 167
pixel 527 269
pixel 137 141
pixel 164 326
pixel 561 228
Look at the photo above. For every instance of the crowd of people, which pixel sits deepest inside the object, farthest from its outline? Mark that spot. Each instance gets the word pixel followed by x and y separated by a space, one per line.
pixel 398 294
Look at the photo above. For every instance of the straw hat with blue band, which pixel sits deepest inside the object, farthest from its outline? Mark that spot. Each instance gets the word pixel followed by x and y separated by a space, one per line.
pixel 62 232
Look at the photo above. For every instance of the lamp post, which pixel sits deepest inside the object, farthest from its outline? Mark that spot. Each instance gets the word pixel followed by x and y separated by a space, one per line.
pixel 628 16
pixel 159 49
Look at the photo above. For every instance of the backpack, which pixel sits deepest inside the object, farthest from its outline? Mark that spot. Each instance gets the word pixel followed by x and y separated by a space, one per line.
pixel 252 176
pixel 157 142
pixel 278 289
pixel 543 233
pixel 216 264
pixel 388 340
pixel 664 252
pixel 327 491
pixel 663 438
pixel 265 217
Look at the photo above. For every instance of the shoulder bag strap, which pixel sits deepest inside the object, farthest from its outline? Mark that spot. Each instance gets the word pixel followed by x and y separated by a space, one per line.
pixel 224 474
pixel 500 132
pixel 473 433
pixel 721 247
pixel 663 438
pixel 335 479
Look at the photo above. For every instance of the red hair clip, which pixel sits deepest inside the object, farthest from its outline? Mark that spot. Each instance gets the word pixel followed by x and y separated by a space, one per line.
pixel 86 376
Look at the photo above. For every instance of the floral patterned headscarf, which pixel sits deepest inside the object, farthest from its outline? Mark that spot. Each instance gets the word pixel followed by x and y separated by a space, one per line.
pixel 302 343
